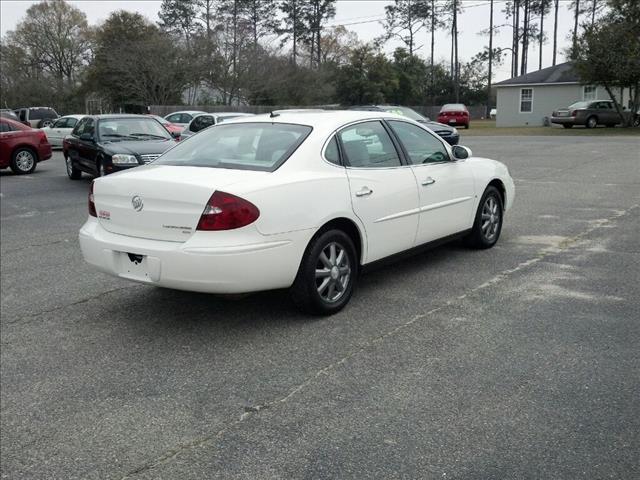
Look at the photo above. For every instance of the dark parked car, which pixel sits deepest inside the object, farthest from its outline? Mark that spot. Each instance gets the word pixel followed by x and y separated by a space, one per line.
pixel 454 114
pixel 22 147
pixel 447 133
pixel 588 113
pixel 103 144
pixel 37 117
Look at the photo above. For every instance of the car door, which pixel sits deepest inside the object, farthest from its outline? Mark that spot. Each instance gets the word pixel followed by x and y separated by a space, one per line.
pixel 58 131
pixel 446 187
pixel 383 190
pixel 609 114
pixel 87 147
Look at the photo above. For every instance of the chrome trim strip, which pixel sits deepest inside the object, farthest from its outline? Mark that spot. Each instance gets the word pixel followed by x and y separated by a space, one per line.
pixel 406 213
pixel 444 204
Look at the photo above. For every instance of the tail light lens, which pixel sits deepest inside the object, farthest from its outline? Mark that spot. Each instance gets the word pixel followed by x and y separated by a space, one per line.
pixel 92 205
pixel 226 212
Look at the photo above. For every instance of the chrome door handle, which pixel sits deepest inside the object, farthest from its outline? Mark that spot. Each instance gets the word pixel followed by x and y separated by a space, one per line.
pixel 364 192
pixel 428 181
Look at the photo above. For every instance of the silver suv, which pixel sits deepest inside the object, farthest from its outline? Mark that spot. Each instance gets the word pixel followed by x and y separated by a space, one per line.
pixel 37 117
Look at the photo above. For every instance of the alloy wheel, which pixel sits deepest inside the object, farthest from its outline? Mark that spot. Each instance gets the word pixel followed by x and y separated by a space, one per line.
pixel 25 161
pixel 490 218
pixel 333 272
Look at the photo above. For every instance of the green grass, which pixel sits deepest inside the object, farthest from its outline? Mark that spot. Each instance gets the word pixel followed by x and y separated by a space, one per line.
pixel 486 128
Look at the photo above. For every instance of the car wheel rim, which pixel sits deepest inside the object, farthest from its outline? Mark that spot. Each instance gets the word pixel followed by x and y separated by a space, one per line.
pixel 67 161
pixel 101 172
pixel 592 122
pixel 25 161
pixel 490 219
pixel 333 272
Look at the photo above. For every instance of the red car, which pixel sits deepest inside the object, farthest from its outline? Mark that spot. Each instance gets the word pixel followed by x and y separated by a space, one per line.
pixel 22 147
pixel 172 128
pixel 454 114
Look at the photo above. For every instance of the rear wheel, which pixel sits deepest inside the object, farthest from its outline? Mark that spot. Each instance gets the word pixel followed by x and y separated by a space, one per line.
pixel 488 222
pixel 72 171
pixel 23 161
pixel 592 122
pixel 327 274
pixel 567 125
pixel 101 171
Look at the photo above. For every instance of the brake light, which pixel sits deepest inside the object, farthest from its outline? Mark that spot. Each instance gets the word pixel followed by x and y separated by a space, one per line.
pixel 92 205
pixel 226 212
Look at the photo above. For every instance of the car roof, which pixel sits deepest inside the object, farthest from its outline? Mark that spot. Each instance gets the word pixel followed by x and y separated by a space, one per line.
pixel 329 119
pixel 190 112
pixel 104 116
pixel 76 116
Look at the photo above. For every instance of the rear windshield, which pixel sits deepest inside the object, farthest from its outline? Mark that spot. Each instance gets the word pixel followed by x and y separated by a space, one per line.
pixel 245 146
pixel 578 105
pixel 452 107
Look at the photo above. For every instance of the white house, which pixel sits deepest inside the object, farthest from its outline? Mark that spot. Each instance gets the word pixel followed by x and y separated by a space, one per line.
pixel 530 98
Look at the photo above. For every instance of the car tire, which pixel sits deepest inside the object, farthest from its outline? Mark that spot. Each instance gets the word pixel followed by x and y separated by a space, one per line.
pixel 567 125
pixel 45 122
pixel 488 221
pixel 327 274
pixel 73 172
pixel 23 161
pixel 636 121
pixel 592 122
pixel 101 171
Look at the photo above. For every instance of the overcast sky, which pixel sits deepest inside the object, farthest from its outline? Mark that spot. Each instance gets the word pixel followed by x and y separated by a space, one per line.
pixel 362 17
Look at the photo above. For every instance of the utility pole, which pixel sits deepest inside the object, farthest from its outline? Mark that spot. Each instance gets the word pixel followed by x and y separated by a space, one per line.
pixel 555 32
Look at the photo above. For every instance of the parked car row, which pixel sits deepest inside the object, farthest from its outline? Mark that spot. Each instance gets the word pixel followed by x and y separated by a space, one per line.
pixel 591 114
pixel 21 147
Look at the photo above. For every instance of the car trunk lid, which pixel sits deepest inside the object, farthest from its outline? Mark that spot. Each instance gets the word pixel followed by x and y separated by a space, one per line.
pixel 160 202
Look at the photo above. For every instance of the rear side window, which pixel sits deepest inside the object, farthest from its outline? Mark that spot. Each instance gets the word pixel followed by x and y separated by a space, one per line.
pixel 79 128
pixel 331 153
pixel 5 127
pixel 244 146
pixel 368 145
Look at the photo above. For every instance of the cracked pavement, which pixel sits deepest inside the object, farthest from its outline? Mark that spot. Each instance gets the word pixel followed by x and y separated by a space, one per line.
pixel 517 362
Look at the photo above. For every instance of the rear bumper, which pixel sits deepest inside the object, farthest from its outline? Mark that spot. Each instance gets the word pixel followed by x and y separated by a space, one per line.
pixel 202 264
pixel 453 121
pixel 44 152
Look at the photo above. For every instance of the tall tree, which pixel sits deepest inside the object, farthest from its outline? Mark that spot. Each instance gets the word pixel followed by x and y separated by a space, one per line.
pixel 404 19
pixel 179 17
pixel 54 36
pixel 433 23
pixel 294 29
pixel 490 59
pixel 369 77
pixel 555 30
pixel 318 12
pixel 261 17
pixel 576 16
pixel 599 64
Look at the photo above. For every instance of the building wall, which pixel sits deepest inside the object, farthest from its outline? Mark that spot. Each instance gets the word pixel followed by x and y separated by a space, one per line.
pixel 546 99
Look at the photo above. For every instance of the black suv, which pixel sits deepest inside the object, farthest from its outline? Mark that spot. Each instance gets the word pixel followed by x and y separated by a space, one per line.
pixel 447 133
pixel 103 144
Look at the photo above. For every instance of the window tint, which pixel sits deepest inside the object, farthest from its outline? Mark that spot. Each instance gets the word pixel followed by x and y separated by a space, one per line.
pixel 368 145
pixel 244 146
pixel 89 127
pixel 331 153
pixel 201 122
pixel 526 100
pixel 421 146
pixel 175 118
pixel 71 122
pixel 79 128
pixel 131 128
pixel 5 127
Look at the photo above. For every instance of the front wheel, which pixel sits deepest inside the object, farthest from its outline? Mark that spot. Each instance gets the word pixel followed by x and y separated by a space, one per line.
pixel 592 122
pixel 488 222
pixel 327 274
pixel 72 171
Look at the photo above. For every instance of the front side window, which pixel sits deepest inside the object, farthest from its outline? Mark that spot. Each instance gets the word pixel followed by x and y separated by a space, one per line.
pixel 89 127
pixel 421 146
pixel 201 122
pixel 526 100
pixel 5 127
pixel 244 146
pixel 175 118
pixel 77 131
pixel 589 92
pixel 368 145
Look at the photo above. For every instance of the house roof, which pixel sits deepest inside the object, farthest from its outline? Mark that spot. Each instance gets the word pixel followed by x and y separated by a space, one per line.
pixel 561 73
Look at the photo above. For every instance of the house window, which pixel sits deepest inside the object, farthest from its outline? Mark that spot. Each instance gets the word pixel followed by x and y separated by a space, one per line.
pixel 589 92
pixel 526 100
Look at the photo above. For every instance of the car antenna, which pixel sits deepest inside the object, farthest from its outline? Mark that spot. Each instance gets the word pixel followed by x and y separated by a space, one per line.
pixel 274 115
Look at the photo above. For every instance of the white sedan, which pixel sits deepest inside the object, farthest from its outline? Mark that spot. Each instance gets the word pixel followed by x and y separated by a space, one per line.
pixel 295 200
pixel 60 129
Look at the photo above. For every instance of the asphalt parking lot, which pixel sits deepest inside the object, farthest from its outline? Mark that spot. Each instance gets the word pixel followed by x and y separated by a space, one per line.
pixel 522 361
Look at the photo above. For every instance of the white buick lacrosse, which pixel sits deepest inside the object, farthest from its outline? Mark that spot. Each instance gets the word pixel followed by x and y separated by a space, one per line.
pixel 299 200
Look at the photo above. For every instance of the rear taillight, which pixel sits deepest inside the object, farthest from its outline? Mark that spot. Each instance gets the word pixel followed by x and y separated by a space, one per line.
pixel 92 205
pixel 226 212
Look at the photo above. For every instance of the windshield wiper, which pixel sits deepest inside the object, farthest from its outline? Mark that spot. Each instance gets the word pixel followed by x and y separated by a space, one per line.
pixel 148 135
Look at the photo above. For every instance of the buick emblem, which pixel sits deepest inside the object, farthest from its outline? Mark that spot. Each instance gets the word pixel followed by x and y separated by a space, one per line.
pixel 136 202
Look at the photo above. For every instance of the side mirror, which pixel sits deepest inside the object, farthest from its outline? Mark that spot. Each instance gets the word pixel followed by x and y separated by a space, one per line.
pixel 460 152
pixel 87 137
